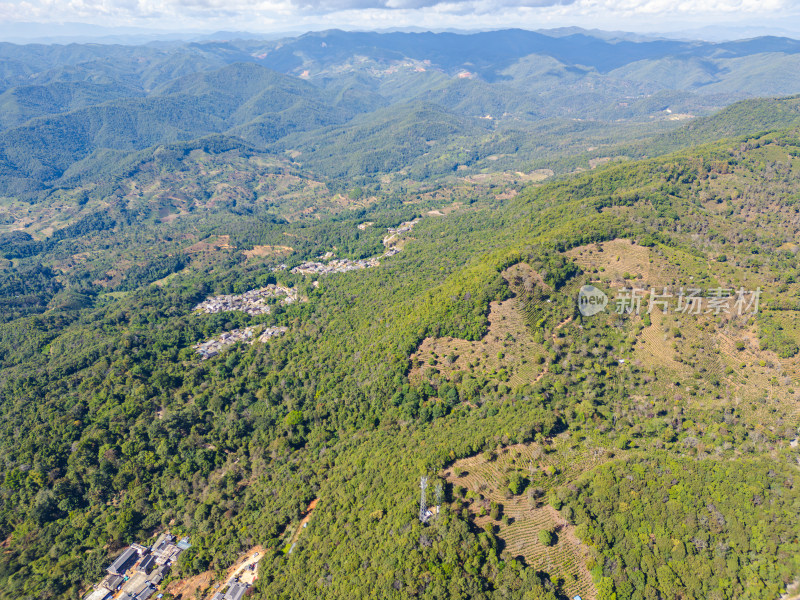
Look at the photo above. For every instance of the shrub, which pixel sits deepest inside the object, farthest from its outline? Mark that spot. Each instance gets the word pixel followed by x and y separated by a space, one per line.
pixel 547 537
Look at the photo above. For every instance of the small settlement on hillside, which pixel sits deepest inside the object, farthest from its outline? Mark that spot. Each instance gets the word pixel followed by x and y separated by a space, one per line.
pixel 216 345
pixel 343 265
pixel 339 265
pixel 139 570
pixel 252 302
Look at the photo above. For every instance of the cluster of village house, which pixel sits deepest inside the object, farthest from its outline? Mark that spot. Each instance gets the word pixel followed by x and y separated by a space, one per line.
pixel 340 265
pixel 343 265
pixel 216 345
pixel 402 228
pixel 139 570
pixel 252 302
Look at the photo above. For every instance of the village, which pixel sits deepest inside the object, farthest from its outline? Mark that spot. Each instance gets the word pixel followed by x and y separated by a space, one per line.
pixel 216 345
pixel 137 573
pixel 340 265
pixel 343 265
pixel 252 302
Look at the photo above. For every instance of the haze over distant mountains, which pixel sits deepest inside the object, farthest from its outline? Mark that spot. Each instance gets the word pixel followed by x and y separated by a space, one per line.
pixel 349 104
pixel 68 32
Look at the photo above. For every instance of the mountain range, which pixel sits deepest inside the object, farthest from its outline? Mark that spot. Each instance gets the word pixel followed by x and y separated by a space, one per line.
pixel 317 93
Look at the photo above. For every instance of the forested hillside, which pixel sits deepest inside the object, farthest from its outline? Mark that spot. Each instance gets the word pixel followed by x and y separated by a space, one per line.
pixel 624 456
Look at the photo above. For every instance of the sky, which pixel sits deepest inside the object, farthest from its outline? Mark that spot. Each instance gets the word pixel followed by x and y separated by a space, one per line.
pixel 645 16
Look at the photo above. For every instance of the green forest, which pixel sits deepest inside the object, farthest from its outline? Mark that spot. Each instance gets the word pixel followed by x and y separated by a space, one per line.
pixel 660 448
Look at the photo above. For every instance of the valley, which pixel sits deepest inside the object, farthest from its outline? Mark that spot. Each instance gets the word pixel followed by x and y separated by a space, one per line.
pixel 256 291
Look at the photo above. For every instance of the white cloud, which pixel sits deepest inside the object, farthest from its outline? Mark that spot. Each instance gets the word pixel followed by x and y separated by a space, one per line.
pixel 690 7
pixel 263 15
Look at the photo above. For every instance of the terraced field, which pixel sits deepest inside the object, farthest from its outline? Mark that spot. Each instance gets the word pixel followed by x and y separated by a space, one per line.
pixel 566 559
pixel 726 352
pixel 545 466
pixel 622 263
pixel 656 345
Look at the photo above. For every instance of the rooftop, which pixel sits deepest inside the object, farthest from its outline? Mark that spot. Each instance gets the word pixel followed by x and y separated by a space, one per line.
pixel 124 560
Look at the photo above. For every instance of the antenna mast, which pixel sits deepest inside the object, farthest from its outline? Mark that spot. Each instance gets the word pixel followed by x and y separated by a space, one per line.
pixel 424 513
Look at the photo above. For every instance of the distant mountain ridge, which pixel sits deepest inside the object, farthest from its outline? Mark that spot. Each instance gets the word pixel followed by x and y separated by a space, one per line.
pixel 492 51
pixel 350 104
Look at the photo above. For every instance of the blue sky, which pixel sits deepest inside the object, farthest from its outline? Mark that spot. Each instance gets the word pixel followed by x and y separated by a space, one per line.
pixel 759 16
